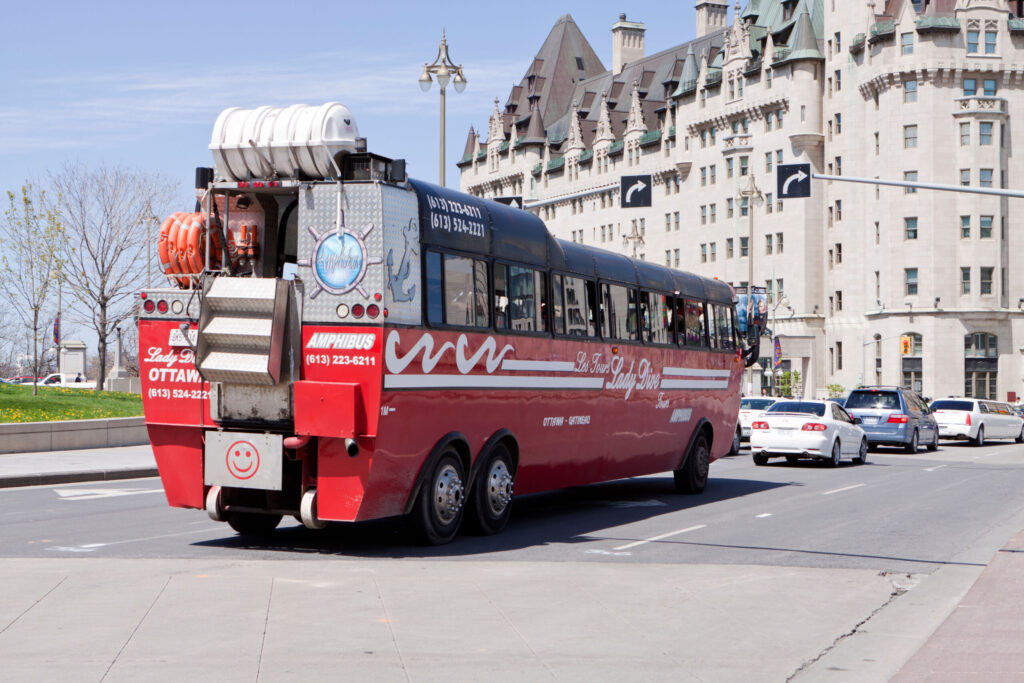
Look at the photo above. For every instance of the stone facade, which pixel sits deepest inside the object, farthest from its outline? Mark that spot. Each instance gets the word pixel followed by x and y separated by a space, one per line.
pixel 896 90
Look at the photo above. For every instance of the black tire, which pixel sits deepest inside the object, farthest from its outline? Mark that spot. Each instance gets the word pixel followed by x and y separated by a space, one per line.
pixel 760 460
pixel 862 454
pixel 692 476
pixel 1020 437
pixel 837 451
pixel 792 459
pixel 735 448
pixel 252 523
pixel 979 440
pixel 872 448
pixel 934 445
pixel 491 497
pixel 912 446
pixel 441 502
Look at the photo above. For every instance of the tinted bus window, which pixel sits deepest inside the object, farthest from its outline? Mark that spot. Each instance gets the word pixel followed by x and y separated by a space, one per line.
pixel 520 298
pixel 710 326
pixel 579 312
pixel 465 291
pixel 724 323
pixel 618 313
pixel 691 314
pixel 557 307
pixel 656 318
pixel 435 293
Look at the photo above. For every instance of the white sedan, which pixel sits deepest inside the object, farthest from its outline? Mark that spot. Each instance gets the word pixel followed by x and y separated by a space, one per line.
pixel 751 408
pixel 807 429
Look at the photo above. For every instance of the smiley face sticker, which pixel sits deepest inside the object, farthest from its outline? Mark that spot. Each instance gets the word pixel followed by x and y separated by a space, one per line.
pixel 243 460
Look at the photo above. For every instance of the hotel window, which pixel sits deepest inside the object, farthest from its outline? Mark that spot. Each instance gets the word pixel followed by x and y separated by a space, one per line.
pixel 778 156
pixel 778 118
pixel 839 166
pixel 839 81
pixel 985 177
pixel 910 228
pixel 768 79
pixel 839 301
pixel 729 207
pixel 703 253
pixel 728 248
pixel 878 285
pixel 743 165
pixel 910 177
pixel 744 206
pixel 838 44
pixel 768 244
pixel 985 133
pixel 839 210
pixel 910 281
pixel 965 227
pixel 990 42
pixel 965 280
pixel 714 215
pixel 909 136
pixel 878 233
pixel 703 215
pixel 970 87
pixel 668 222
pixel 965 176
pixel 703 176
pixel 989 87
pixel 839 124
pixel 985 227
pixel 675 257
pixel 714 173
pixel 768 162
pixel 910 91
pixel 831 259
pixel 972 42
pixel 728 168
pixel 907 43
pixel 876 143
pixel 675 217
pixel 768 203
pixel 668 257
pixel 986 280
pixel 839 355
pixel 839 253
pixel 965 134
pixel 778 246
pixel 744 246
pixel 703 138
pixel 714 248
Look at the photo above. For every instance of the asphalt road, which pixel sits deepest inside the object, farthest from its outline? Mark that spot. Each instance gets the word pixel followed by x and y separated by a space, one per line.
pixel 898 513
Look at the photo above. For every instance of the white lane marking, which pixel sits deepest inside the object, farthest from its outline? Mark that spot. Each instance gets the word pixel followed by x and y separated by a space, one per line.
pixel 659 537
pixel 987 455
pixel 89 547
pixel 632 503
pixel 90 494
pixel 845 488
pixel 594 551
pixel 932 469
pixel 764 514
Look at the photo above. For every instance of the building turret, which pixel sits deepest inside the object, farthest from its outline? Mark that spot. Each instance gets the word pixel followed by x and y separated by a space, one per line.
pixel 627 43
pixel 711 16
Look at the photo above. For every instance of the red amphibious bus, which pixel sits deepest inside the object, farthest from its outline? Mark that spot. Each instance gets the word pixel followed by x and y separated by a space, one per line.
pixel 341 343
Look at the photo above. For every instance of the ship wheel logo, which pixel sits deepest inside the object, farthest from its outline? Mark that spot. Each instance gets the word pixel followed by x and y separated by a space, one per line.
pixel 340 261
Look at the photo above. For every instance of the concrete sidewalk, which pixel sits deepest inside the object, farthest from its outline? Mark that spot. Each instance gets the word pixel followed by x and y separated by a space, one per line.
pixel 63 467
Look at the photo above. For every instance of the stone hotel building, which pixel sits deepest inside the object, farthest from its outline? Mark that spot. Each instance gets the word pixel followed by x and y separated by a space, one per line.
pixel 900 90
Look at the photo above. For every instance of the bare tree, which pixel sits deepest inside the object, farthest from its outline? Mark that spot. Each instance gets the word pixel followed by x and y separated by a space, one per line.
pixel 32 234
pixel 103 211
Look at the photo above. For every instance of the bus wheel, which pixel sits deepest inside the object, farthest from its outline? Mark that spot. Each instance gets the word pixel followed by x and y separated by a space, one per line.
pixel 252 523
pixel 491 502
pixel 439 508
pixel 692 477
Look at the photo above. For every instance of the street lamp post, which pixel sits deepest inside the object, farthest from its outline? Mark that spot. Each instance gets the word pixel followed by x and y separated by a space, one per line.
pixel 751 193
pixel 442 67
pixel 636 237
pixel 151 220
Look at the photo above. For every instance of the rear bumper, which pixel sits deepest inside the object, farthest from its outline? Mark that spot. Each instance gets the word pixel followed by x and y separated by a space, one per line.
pixel 955 432
pixel 888 434
pixel 804 444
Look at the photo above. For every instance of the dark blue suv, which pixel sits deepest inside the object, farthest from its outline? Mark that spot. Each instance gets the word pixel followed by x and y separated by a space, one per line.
pixel 893 416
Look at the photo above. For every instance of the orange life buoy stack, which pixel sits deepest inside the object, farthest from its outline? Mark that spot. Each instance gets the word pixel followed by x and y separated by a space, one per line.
pixel 181 245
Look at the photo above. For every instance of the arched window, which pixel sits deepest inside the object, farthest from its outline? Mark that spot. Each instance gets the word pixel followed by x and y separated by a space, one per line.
pixel 981 363
pixel 911 363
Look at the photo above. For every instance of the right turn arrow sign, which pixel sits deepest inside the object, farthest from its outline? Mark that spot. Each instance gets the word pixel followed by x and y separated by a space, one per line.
pixel 793 180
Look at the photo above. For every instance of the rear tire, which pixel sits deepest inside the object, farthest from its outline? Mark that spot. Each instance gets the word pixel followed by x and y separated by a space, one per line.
pixel 912 446
pixel 735 448
pixel 252 523
pixel 979 440
pixel 491 497
pixel 692 476
pixel 836 454
pixel 934 445
pixel 760 460
pixel 441 502
pixel 862 454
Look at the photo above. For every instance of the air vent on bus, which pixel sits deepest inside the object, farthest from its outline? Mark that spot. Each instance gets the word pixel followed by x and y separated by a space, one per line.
pixel 241 330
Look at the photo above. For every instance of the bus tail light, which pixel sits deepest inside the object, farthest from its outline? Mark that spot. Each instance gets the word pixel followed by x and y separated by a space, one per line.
pixel 148 306
pixel 760 425
pixel 898 418
pixel 161 306
pixel 813 427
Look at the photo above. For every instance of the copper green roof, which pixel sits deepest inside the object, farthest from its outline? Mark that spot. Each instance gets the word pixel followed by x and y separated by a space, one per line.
pixel 556 164
pixel 688 76
pixel 933 23
pixel 615 147
pixel 1016 25
pixel 882 30
pixel 649 137
pixel 803 41
pixel 857 44
pixel 585 156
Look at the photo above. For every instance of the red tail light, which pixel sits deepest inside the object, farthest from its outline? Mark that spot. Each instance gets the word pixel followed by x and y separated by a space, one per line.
pixel 358 310
pixel 898 418
pixel 813 427
pixel 149 306
pixel 760 425
pixel 161 306
pixel 968 419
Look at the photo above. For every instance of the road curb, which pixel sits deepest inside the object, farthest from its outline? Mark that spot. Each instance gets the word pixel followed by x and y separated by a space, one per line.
pixel 17 480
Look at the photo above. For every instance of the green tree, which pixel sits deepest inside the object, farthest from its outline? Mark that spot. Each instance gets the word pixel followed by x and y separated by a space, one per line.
pixel 835 390
pixel 33 237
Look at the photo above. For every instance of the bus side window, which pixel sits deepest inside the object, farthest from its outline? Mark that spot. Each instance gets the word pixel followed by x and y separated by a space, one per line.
pixel 465 291
pixel 527 299
pixel 501 296
pixel 724 322
pixel 579 309
pixel 434 289
pixel 619 309
pixel 690 315
pixel 656 318
pixel 557 307
pixel 592 325
pixel 603 318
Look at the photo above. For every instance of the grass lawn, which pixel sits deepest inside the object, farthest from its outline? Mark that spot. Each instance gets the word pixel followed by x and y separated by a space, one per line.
pixel 17 404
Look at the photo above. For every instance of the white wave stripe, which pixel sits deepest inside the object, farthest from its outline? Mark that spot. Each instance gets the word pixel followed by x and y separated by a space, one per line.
pixel 694 372
pixel 465 364
pixel 490 382
pixel 538 365
pixel 694 384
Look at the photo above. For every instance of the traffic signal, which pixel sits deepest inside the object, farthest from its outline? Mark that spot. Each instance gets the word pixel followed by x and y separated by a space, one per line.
pixel 905 345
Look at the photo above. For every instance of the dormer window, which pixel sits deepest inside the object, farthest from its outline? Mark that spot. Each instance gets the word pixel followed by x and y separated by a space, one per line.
pixel 787 9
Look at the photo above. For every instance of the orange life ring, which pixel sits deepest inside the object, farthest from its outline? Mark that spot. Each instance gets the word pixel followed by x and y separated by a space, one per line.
pixel 172 244
pixel 162 244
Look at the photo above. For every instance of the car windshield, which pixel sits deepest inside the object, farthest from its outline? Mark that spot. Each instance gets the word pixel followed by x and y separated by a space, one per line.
pixel 879 400
pixel 952 405
pixel 808 407
pixel 755 403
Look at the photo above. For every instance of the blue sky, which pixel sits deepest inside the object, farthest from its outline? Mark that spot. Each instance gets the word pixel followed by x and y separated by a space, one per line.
pixel 141 83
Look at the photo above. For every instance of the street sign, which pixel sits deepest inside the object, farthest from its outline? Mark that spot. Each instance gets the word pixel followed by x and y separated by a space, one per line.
pixel 635 191
pixel 793 181
pixel 515 202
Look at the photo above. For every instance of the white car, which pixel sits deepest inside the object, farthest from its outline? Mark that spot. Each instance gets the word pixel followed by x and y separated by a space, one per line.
pixel 750 408
pixel 977 420
pixel 807 429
